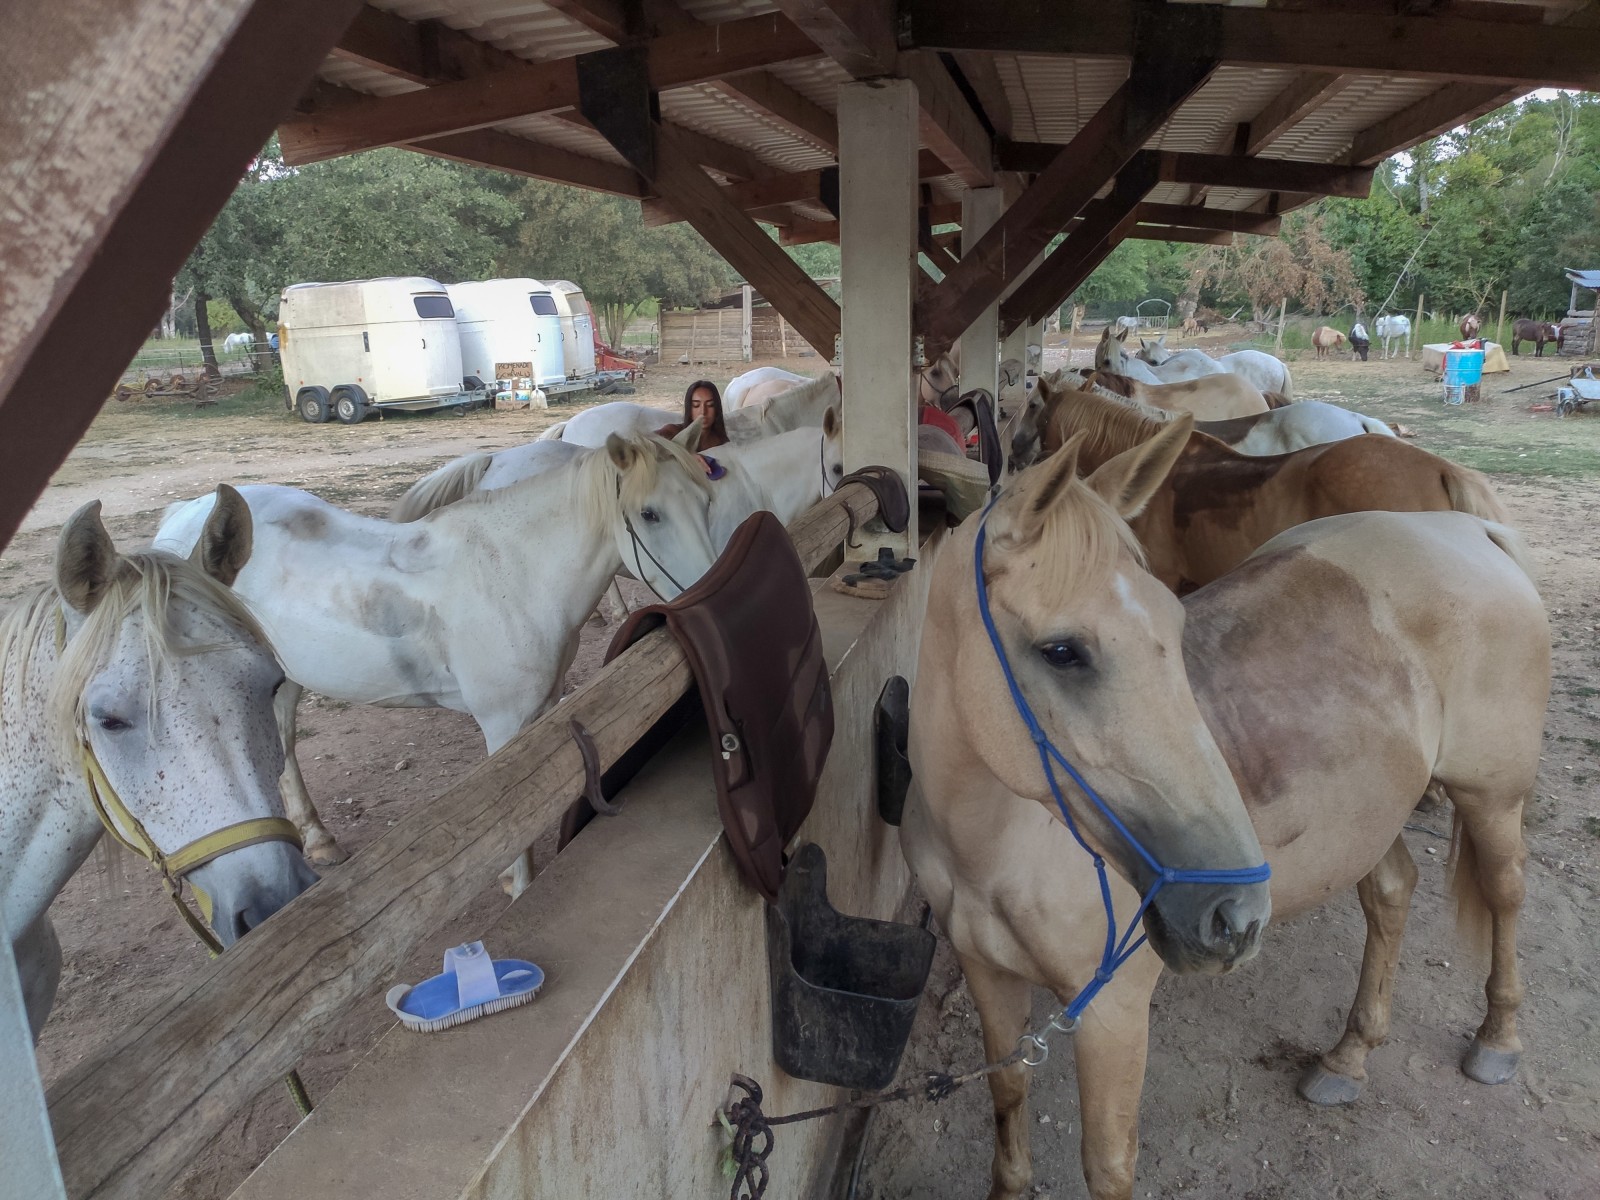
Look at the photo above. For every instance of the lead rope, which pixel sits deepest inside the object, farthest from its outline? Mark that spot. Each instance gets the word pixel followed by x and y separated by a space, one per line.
pixel 743 1117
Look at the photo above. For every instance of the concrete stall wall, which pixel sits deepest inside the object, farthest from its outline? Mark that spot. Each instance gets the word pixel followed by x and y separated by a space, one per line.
pixel 608 1083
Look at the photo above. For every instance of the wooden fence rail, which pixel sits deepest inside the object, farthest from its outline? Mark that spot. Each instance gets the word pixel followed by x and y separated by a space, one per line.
pixel 128 1121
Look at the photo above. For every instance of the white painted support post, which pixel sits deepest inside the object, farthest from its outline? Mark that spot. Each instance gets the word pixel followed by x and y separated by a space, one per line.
pixel 748 343
pixel 877 252
pixel 26 1146
pixel 980 208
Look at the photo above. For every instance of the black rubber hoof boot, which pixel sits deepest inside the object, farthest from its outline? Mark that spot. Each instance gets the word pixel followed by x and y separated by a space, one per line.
pixel 891 724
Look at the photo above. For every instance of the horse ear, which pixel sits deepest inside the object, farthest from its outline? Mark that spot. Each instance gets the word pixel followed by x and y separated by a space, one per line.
pixel 86 561
pixel 1127 481
pixel 830 423
pixel 1122 334
pixel 1060 469
pixel 689 436
pixel 225 543
pixel 622 452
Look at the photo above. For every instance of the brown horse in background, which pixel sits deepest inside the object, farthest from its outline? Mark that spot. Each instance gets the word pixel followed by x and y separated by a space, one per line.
pixel 1326 338
pixel 1218 506
pixel 1538 332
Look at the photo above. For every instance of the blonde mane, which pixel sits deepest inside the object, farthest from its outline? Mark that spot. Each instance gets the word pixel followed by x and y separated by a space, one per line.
pixel 148 583
pixel 1109 424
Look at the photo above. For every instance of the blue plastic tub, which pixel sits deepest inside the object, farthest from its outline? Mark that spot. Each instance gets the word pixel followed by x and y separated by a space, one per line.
pixel 1463 367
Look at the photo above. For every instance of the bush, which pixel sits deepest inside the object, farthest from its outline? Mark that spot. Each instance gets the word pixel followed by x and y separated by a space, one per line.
pixel 268 384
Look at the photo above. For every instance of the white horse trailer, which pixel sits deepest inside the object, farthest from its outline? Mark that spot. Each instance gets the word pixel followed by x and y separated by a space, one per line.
pixel 349 348
pixel 577 327
pixel 510 328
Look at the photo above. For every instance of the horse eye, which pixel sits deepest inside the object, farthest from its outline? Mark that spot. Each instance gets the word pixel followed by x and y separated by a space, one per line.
pixel 650 515
pixel 112 724
pixel 1063 654
pixel 838 468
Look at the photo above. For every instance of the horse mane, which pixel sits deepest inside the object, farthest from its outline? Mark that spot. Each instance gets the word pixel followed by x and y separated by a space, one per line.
pixel 147 583
pixel 1119 386
pixel 1109 425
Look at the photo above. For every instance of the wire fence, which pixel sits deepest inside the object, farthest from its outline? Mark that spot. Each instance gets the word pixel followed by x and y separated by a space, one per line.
pixel 156 359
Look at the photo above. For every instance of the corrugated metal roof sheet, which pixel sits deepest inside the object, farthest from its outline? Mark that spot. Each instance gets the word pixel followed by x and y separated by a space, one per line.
pixel 1584 279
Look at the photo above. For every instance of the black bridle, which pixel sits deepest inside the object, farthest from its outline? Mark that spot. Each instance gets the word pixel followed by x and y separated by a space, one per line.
pixel 639 547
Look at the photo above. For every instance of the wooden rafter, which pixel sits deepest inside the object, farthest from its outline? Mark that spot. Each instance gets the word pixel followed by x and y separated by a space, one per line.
pixel 519 156
pixel 1473 47
pixel 805 233
pixel 115 172
pixel 1219 170
pixel 1192 216
pixel 1305 94
pixel 673 60
pixel 1433 114
pixel 1155 89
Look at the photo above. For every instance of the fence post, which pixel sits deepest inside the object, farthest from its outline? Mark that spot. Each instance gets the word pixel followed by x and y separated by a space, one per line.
pixel 1283 308
pixel 1417 328
pixel 1499 326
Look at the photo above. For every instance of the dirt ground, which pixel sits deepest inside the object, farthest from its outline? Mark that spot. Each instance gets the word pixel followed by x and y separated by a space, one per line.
pixel 1220 1117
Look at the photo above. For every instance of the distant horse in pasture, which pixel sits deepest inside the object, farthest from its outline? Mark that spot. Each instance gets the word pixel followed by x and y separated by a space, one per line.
pixel 1326 338
pixel 1394 328
pixel 1470 324
pixel 1537 332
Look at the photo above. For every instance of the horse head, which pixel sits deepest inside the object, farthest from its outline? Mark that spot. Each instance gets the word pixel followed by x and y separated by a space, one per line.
pixel 1155 351
pixel 165 689
pixel 659 499
pixel 1095 650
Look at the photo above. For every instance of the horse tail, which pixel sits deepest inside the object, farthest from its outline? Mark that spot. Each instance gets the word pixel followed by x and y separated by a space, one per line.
pixel 1373 425
pixel 1469 492
pixel 1510 543
pixel 1276 400
pixel 1287 391
pixel 1473 921
pixel 445 486
pixel 553 434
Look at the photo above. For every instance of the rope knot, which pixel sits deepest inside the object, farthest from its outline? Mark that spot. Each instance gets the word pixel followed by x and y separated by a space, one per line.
pixel 1102 976
pixel 1169 875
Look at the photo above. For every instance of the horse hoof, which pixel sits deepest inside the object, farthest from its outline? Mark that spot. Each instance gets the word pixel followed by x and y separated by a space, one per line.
pixel 1322 1086
pixel 322 851
pixel 1489 1066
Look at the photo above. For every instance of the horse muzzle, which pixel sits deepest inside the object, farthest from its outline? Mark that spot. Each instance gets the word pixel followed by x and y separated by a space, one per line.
pixel 1199 929
pixel 248 885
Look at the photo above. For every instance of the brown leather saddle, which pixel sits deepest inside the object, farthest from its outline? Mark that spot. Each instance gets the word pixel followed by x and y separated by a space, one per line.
pixel 751 639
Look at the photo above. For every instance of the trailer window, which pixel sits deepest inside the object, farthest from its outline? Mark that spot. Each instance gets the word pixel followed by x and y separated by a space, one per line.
pixel 430 307
pixel 543 303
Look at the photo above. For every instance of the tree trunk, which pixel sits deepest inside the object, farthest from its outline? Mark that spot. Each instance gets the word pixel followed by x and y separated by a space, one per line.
pixel 253 321
pixel 202 322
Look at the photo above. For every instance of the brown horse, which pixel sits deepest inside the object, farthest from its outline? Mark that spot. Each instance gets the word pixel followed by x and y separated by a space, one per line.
pixel 1210 398
pixel 1217 506
pixel 1470 324
pixel 1537 332
pixel 1350 666
pixel 1326 338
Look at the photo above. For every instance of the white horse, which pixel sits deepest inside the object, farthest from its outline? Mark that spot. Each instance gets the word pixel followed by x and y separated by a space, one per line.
pixel 238 341
pixel 1176 366
pixel 784 474
pixel 798 407
pixel 758 381
pixel 1393 328
pixel 1266 372
pixel 149 663
pixel 476 607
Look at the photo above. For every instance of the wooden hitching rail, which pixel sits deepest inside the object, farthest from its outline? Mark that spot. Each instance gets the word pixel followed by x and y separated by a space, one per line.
pixel 129 1120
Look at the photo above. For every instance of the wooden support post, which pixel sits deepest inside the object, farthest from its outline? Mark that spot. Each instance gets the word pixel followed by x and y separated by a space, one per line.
pixel 980 209
pixel 747 333
pixel 1500 325
pixel 877 252
pixel 26 1146
pixel 1283 309
pixel 1416 328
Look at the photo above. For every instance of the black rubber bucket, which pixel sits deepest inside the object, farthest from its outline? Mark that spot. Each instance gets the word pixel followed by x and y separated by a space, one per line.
pixel 844 989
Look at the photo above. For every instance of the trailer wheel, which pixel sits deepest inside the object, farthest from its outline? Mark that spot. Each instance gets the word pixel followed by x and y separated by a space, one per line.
pixel 313 406
pixel 350 403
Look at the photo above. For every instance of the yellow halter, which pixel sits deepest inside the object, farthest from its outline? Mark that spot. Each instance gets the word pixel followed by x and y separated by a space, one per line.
pixel 121 824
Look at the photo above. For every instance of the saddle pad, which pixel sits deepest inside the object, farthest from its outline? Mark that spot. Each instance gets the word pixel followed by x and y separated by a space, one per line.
pixel 751 639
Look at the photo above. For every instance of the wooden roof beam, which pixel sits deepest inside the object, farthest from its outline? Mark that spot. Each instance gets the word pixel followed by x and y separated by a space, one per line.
pixel 1304 95
pixel 804 233
pixel 672 60
pixel 794 187
pixel 1155 89
pixel 1219 170
pixel 859 36
pixel 1191 216
pixel 534 160
pixel 1471 46
pixel 1432 115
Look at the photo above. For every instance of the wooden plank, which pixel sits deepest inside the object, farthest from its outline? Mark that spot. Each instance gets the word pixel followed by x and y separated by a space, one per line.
pixel 804 233
pixel 1266 174
pixel 519 156
pixel 1197 217
pixel 1432 115
pixel 673 60
pixel 856 34
pixel 1460 47
pixel 785 106
pixel 947 124
pixel 92 140
pixel 983 77
pixel 1173 233
pixel 1108 140
pixel 129 1120
pixel 1308 92
pixel 608 18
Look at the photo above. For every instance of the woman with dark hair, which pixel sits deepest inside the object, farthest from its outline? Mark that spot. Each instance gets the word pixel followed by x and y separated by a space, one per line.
pixel 703 403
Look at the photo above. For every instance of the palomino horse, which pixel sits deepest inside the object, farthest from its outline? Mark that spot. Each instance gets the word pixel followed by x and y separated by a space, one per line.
pixel 145 675
pixel 1216 506
pixel 1266 372
pixel 1213 398
pixel 1537 332
pixel 1290 427
pixel 1470 324
pixel 1318 691
pixel 783 474
pixel 476 607
pixel 1392 328
pixel 795 408
pixel 1325 338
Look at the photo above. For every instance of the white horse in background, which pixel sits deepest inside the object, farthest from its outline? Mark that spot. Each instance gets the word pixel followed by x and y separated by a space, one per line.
pixel 783 474
pixel 238 341
pixel 476 607
pixel 1266 372
pixel 154 666
pixel 760 384
pixel 798 407
pixel 1393 328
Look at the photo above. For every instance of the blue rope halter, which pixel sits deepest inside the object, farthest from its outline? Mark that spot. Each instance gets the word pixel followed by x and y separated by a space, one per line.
pixel 1116 951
